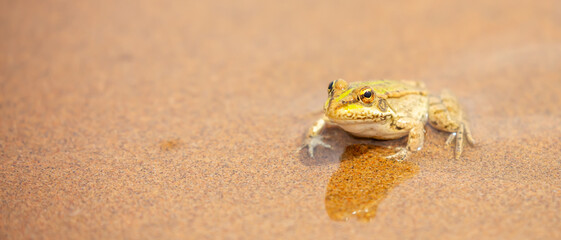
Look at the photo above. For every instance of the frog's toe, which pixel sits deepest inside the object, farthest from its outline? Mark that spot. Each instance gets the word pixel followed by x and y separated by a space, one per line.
pixel 400 155
pixel 471 141
pixel 451 138
pixel 313 142
pixel 469 137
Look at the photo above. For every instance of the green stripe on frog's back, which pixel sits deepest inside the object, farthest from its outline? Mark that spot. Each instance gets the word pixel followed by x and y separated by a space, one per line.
pixel 343 95
pixel 390 88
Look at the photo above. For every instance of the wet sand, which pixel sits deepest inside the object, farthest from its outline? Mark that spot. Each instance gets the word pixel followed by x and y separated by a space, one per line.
pixel 364 179
pixel 182 119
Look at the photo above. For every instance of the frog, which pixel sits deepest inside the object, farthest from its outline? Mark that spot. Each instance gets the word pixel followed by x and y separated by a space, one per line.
pixel 390 109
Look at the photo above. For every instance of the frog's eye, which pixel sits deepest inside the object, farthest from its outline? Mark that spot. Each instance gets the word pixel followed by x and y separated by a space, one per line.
pixel 367 95
pixel 330 87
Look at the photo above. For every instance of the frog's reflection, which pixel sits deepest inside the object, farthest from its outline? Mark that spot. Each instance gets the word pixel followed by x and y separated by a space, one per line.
pixel 363 180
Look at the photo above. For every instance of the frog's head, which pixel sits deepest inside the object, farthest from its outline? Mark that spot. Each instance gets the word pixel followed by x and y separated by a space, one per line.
pixel 354 102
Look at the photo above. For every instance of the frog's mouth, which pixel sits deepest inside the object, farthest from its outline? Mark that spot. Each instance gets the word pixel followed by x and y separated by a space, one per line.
pixel 363 116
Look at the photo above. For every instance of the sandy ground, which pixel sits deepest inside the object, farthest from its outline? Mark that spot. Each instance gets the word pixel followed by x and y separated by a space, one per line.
pixel 181 119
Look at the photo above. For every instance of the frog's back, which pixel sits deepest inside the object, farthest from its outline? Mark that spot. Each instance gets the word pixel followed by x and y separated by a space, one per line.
pixel 389 88
pixel 411 106
pixel 406 98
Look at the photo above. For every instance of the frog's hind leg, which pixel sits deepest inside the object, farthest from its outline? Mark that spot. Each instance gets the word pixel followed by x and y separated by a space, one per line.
pixel 445 114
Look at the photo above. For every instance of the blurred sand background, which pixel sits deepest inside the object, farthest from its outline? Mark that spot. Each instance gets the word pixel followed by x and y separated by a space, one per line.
pixel 181 119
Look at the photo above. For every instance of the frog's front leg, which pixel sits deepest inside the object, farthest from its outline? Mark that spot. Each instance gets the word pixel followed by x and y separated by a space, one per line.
pixel 313 137
pixel 445 114
pixel 415 139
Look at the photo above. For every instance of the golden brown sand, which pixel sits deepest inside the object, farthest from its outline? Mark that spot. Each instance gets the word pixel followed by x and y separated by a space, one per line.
pixel 363 180
pixel 95 94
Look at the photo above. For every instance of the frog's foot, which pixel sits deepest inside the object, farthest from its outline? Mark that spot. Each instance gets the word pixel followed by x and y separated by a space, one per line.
pixel 415 139
pixel 401 155
pixel 313 137
pixel 445 114
pixel 459 137
pixel 312 142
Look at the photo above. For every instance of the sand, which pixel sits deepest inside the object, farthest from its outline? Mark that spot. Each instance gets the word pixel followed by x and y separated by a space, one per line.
pixel 182 119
